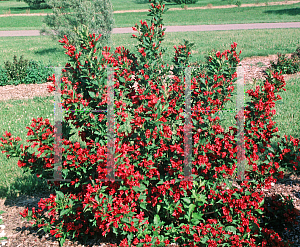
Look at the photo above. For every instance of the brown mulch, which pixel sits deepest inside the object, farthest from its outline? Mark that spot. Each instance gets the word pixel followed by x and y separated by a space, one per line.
pixel 21 234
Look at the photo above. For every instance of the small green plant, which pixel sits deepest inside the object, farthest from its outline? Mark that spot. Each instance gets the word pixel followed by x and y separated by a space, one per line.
pixel 23 72
pixel 285 64
pixel 238 3
pixel 82 13
pixel 36 73
pixel 3 77
pixel 17 69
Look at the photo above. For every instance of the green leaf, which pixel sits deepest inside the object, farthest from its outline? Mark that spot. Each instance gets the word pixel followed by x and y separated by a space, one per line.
pixel 230 229
pixel 204 239
pixel 187 200
pixel 139 189
pixel 156 220
pixel 59 195
pixel 92 94
pixel 64 211
pixel 158 207
pixel 191 209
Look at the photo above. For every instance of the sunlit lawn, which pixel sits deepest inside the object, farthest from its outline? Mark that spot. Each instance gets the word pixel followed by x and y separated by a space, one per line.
pixel 279 13
pixel 15 7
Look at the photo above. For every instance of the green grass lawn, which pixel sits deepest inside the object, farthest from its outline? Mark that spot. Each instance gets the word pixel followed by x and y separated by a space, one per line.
pixel 15 7
pixel 286 13
pixel 42 48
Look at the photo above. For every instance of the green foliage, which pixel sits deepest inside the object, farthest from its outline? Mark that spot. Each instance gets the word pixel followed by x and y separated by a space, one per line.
pixel 36 4
pixel 17 69
pixel 285 64
pixel 68 15
pixel 296 53
pixel 3 77
pixel 23 72
pixel 36 73
pixel 238 3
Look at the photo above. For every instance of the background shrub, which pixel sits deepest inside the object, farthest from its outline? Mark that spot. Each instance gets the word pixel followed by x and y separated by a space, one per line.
pixel 3 77
pixel 36 73
pixel 97 15
pixel 24 72
pixel 17 69
pixel 296 53
pixel 285 64
pixel 36 4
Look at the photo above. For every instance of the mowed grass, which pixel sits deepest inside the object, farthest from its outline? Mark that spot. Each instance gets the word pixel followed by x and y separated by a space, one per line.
pixel 250 42
pixel 15 7
pixel 285 13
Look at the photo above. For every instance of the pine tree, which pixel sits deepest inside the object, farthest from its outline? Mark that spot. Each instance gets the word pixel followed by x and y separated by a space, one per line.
pixel 97 15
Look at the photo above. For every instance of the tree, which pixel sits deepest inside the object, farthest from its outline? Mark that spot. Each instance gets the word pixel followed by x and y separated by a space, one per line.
pixel 69 15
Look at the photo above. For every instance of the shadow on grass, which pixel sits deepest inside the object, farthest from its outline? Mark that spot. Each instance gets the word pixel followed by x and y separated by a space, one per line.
pixel 47 51
pixel 293 11
pixel 28 185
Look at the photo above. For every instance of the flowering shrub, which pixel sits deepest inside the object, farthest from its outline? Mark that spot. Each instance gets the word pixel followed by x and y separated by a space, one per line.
pixel 153 203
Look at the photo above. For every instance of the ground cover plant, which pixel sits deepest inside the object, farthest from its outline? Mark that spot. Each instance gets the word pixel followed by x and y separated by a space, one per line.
pixel 88 206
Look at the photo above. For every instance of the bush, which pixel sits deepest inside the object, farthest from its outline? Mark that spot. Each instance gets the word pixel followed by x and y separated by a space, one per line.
pixel 36 73
pixel 16 71
pixel 152 204
pixel 97 15
pixel 24 72
pixel 36 4
pixel 285 64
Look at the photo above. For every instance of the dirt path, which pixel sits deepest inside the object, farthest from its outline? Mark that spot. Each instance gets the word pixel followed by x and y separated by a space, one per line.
pixel 176 9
